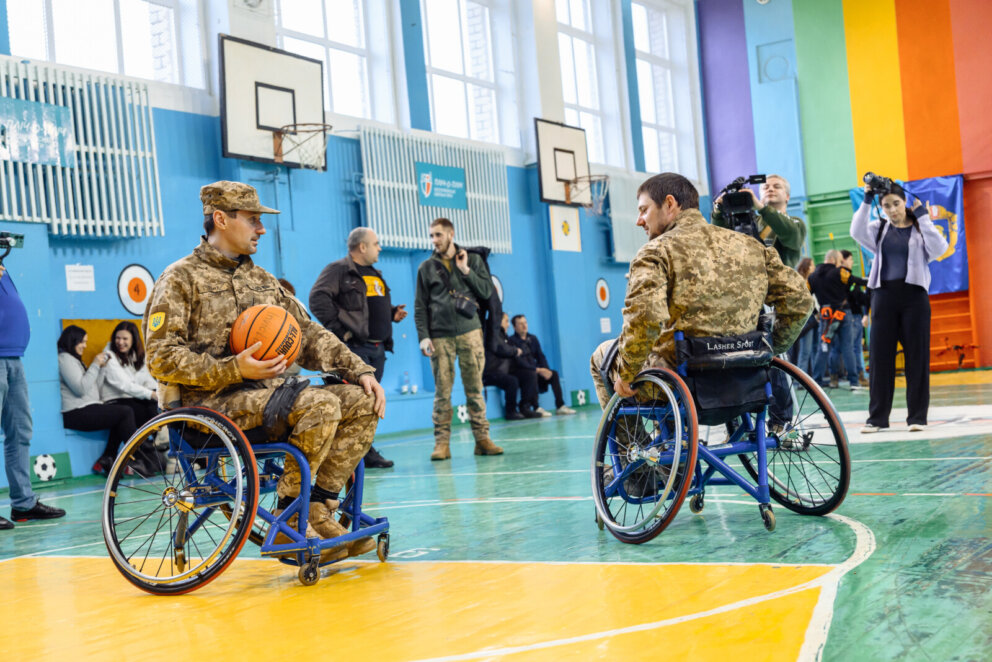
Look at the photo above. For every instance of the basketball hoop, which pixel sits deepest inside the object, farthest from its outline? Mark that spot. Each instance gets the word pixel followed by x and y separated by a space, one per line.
pixel 307 142
pixel 596 186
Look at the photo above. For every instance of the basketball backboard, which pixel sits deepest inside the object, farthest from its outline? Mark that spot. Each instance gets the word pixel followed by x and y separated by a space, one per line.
pixel 263 89
pixel 561 157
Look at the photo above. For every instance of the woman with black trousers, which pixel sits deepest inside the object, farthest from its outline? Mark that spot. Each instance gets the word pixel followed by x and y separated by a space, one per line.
pixel 904 242
pixel 82 408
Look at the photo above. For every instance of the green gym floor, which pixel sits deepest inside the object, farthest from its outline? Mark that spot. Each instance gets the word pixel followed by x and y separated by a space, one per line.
pixel 500 558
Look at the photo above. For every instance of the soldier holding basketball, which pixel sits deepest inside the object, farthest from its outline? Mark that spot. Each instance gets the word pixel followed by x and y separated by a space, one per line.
pixel 187 324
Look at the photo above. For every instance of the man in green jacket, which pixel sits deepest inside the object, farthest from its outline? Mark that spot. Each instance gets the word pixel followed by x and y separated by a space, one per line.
pixel 786 234
pixel 447 331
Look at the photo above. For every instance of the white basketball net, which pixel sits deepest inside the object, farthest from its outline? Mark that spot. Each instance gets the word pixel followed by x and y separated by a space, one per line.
pixel 306 142
pixel 597 186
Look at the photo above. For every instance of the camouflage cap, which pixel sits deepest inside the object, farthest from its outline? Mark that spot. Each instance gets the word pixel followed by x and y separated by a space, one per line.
pixel 231 196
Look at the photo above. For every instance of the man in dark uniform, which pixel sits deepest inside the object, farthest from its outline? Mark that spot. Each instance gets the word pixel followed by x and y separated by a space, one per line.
pixel 188 321
pixel 533 358
pixel 351 299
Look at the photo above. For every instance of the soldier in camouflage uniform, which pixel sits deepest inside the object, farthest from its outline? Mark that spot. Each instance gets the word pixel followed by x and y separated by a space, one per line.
pixel 188 321
pixel 445 334
pixel 697 278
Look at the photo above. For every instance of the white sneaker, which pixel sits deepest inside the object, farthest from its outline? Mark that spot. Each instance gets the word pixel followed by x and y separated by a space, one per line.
pixel 868 428
pixel 857 387
pixel 916 427
pixel 564 411
pixel 542 411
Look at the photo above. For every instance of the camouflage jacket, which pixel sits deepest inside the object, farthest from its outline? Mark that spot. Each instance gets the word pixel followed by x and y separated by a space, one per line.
pixel 704 281
pixel 189 317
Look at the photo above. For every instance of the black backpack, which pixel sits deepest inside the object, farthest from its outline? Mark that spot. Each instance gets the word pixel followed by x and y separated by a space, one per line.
pixel 491 309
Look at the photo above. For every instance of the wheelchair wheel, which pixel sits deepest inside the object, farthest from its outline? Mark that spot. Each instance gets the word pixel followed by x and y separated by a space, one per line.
pixel 645 456
pixel 810 470
pixel 165 533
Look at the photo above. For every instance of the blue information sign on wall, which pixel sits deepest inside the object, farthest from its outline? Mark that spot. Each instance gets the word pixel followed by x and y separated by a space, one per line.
pixel 440 186
pixel 32 132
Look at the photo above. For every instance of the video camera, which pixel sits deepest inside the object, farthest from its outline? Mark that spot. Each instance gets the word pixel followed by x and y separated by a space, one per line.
pixel 737 206
pixel 8 241
pixel 881 185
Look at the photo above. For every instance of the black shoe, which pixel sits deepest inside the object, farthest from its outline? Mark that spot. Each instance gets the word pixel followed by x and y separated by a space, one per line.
pixel 5 524
pixel 529 413
pixel 514 416
pixel 375 461
pixel 38 511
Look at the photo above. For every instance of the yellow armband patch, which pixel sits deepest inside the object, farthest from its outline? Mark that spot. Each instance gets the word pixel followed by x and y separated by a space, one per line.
pixel 156 321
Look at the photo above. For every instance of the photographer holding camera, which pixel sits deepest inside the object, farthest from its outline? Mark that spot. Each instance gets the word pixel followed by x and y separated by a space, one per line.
pixel 15 409
pixel 786 234
pixel 904 241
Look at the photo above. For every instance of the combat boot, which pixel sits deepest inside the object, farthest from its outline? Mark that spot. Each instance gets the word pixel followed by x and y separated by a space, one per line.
pixel 487 447
pixel 442 451
pixel 322 520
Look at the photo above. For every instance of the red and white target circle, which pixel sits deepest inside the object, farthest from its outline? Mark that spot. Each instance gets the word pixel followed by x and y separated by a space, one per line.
pixel 134 285
pixel 602 293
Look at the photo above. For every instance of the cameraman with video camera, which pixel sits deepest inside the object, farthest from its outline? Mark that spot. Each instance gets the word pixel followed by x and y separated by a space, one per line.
pixel 786 234
pixel 904 241
pixel 15 409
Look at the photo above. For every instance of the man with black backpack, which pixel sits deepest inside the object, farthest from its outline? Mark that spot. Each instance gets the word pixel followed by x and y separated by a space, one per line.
pixel 446 311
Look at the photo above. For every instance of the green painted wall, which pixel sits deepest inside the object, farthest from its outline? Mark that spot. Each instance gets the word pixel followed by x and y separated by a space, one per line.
pixel 824 99
pixel 832 213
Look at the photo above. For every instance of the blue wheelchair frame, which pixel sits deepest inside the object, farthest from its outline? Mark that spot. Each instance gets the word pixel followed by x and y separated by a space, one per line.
pixel 301 550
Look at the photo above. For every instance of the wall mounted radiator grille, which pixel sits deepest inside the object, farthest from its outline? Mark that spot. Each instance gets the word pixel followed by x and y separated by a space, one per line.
pixel 392 205
pixel 106 182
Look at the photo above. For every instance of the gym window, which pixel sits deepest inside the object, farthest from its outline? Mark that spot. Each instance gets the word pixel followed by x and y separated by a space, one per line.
pixel 461 69
pixel 666 60
pixel 589 90
pixel 341 33
pixel 156 40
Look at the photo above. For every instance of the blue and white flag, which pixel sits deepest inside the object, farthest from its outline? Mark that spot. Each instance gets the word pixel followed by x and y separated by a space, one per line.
pixel 945 196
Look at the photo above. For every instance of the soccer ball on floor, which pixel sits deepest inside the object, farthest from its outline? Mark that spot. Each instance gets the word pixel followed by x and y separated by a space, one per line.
pixel 44 467
pixel 462 413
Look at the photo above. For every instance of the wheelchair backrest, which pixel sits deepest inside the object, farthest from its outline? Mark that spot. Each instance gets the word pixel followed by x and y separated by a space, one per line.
pixel 728 376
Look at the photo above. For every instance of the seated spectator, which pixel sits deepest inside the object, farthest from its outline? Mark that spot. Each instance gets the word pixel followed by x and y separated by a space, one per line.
pixel 533 358
pixel 126 381
pixel 503 372
pixel 82 408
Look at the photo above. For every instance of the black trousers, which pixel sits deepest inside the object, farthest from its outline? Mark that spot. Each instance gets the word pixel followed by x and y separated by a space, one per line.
pixel 372 353
pixel 143 410
pixel 555 385
pixel 528 380
pixel 899 313
pixel 117 418
pixel 506 383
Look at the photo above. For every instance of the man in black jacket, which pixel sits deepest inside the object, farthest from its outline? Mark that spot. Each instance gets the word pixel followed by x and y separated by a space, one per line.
pixel 534 358
pixel 504 372
pixel 831 284
pixel 351 300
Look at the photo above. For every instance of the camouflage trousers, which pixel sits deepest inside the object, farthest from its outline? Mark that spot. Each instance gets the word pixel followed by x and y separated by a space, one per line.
pixel 471 355
pixel 605 391
pixel 332 425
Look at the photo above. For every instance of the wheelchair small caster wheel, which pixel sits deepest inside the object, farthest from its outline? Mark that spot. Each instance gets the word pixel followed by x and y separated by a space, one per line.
pixel 382 547
pixel 599 522
pixel 180 559
pixel 767 516
pixel 696 504
pixel 309 573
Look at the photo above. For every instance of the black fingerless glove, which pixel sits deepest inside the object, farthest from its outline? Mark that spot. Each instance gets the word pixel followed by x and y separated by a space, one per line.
pixel 869 196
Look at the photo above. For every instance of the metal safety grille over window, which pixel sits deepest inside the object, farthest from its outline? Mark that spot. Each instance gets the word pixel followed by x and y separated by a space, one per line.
pixel 395 195
pixel 77 151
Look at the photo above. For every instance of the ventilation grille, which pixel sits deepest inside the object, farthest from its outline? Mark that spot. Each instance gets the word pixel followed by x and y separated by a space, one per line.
pixel 392 205
pixel 92 169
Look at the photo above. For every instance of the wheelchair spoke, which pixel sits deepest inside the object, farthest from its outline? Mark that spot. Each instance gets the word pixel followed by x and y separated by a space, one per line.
pixel 148 540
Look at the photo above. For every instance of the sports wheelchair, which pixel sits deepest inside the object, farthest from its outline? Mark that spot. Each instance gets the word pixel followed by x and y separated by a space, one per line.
pixel 171 534
pixel 648 458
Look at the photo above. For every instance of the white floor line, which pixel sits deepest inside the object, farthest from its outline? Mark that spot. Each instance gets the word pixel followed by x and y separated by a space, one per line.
pixel 816 633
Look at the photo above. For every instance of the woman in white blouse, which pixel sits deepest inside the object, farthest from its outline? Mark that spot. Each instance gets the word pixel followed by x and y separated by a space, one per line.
pixel 82 408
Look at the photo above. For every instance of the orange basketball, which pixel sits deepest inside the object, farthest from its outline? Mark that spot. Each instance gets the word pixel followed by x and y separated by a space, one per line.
pixel 275 328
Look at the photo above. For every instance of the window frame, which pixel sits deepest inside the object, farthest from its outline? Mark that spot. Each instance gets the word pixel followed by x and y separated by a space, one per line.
pixel 51 52
pixel 493 85
pixel 366 53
